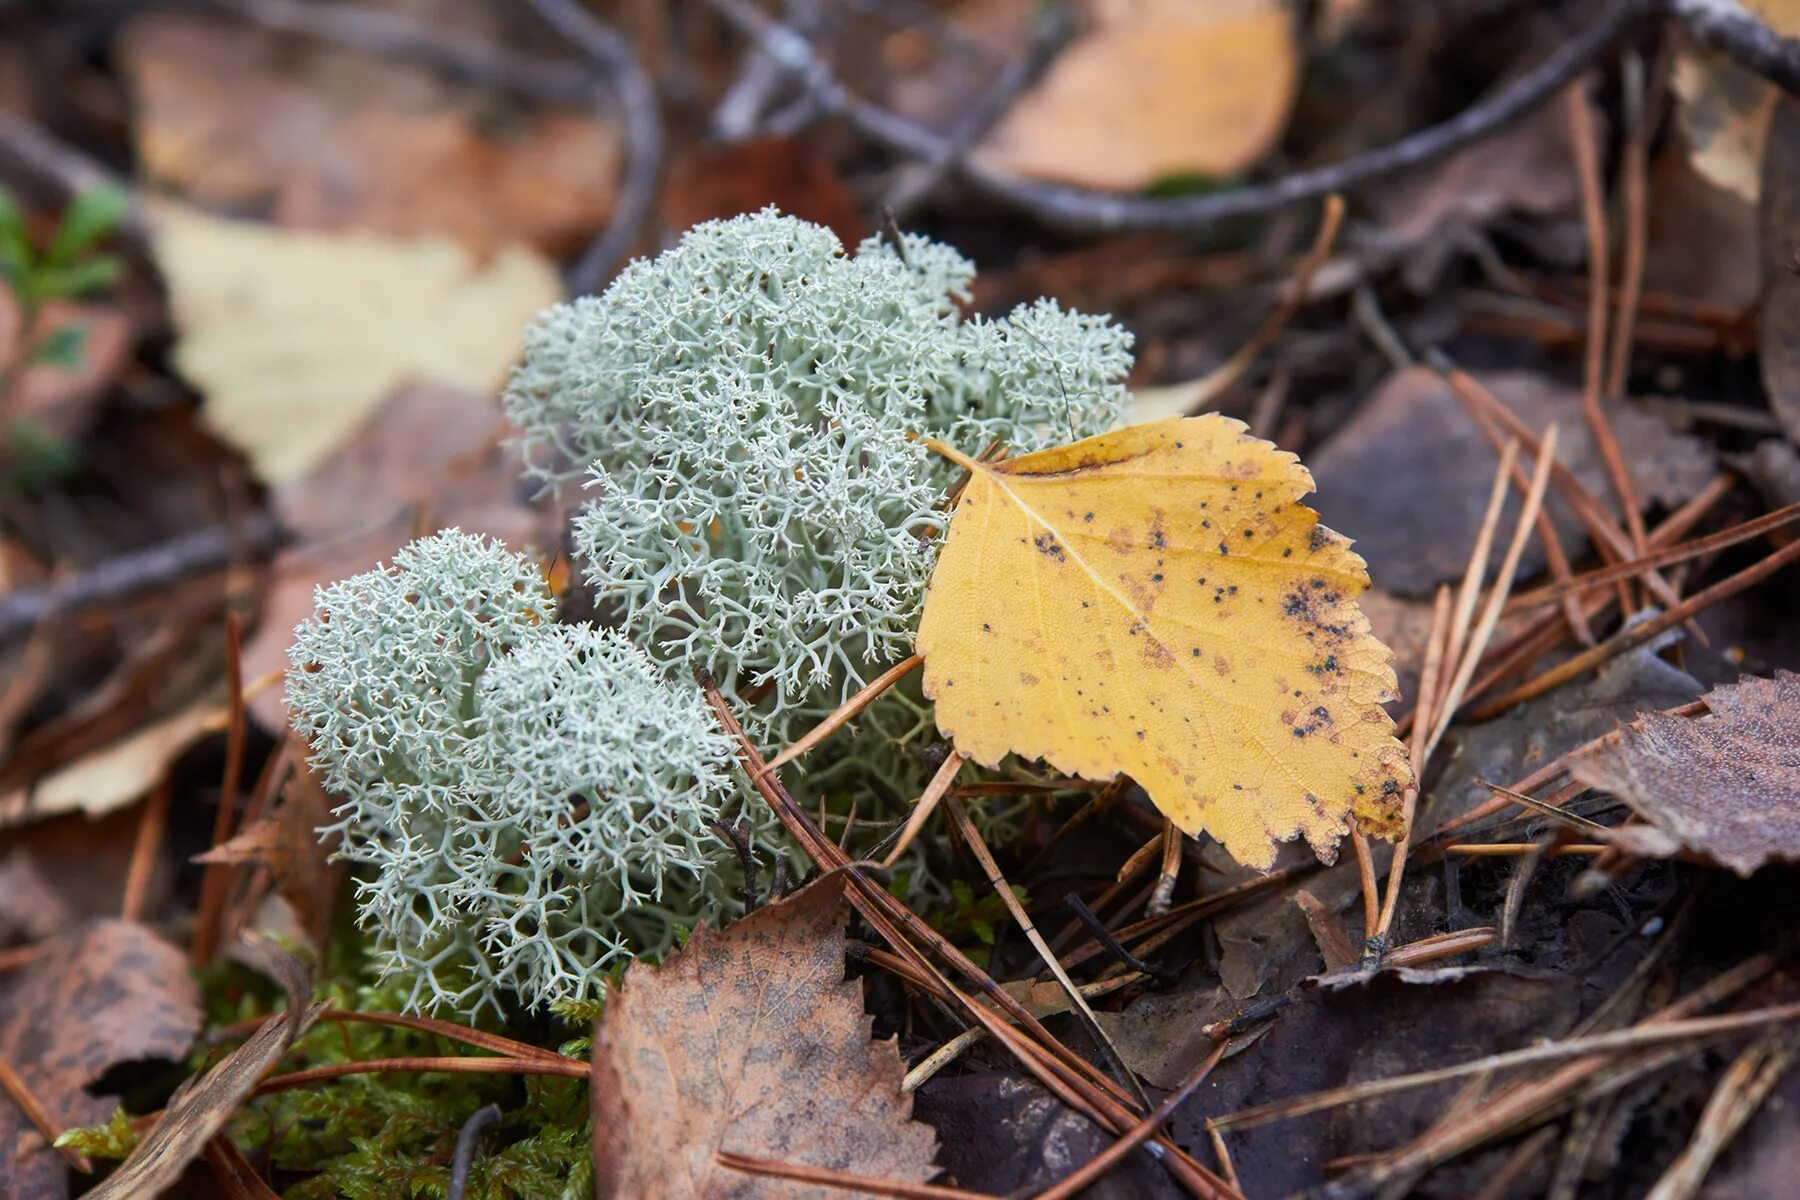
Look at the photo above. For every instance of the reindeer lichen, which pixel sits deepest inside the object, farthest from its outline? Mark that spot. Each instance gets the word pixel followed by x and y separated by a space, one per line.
pixel 532 800
pixel 741 409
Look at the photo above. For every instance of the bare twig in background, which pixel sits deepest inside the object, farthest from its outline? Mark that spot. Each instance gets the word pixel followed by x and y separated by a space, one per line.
pixel 1052 31
pixel 1724 26
pixel 132 574
pixel 377 31
pixel 642 114
pixel 1084 209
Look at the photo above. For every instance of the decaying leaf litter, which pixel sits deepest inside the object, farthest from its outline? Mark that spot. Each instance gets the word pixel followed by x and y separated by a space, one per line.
pixel 1525 361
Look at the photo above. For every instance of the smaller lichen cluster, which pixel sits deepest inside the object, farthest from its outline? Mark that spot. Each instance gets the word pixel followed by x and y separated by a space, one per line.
pixel 534 800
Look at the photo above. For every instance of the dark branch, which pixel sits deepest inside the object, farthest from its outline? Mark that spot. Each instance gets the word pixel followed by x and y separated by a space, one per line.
pixel 384 33
pixel 130 575
pixel 1724 26
pixel 738 837
pixel 1051 34
pixel 478 1120
pixel 1087 210
pixel 1100 933
pixel 642 113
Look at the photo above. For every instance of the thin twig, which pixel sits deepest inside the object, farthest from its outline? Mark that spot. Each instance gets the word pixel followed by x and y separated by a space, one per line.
pixel 1087 210
pixel 1682 552
pixel 1094 1168
pixel 1203 392
pixel 1490 615
pixel 636 95
pixel 1644 1034
pixel 1542 806
pixel 216 883
pixel 1520 849
pixel 936 790
pixel 39 1116
pixel 1051 33
pixel 1421 750
pixel 1633 636
pixel 1593 218
pixel 1634 169
pixel 464 1154
pixel 846 711
pixel 1099 932
pixel 1741 1091
pixel 1003 889
pixel 151 823
pixel 843 1180
pixel 129 576
pixel 457 1065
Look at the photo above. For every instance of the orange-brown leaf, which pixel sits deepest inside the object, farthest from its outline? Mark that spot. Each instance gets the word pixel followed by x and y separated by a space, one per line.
pixel 752 1041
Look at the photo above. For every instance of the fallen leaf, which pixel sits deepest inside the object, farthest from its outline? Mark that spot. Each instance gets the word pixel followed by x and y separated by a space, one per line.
pixel 200 1108
pixel 750 1040
pixel 286 843
pixel 710 182
pixel 30 909
pixel 1156 601
pixel 294 338
pixel 1727 785
pixel 114 775
pixel 1414 471
pixel 1430 217
pixel 108 993
pixel 1723 113
pixel 1778 330
pixel 240 118
pixel 1120 108
pixel 1329 1039
pixel 428 457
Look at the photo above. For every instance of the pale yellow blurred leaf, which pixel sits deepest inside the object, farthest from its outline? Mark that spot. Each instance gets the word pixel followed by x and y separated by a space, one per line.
pixel 294 338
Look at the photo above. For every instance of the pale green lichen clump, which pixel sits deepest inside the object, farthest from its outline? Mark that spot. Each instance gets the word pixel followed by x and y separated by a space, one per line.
pixel 740 409
pixel 533 800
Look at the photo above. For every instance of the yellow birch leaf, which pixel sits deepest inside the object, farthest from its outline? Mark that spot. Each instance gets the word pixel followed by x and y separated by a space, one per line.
pixel 1156 601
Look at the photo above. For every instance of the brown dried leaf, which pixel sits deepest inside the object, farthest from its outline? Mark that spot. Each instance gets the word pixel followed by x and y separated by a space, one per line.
pixel 286 843
pixel 200 1108
pixel 707 182
pixel 109 993
pixel 750 1040
pixel 115 774
pixel 1726 786
pixel 1410 472
pixel 30 909
pixel 314 137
